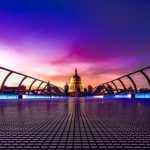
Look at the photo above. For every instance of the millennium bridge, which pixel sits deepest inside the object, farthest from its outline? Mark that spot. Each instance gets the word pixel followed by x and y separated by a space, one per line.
pixel 35 114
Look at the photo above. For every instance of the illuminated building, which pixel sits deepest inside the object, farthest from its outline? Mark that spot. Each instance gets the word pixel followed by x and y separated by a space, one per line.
pixel 75 84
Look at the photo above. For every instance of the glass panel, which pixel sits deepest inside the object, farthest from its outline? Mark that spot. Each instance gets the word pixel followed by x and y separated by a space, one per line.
pixel 127 82
pixel 3 74
pixel 147 71
pixel 36 85
pixel 111 84
pixel 118 84
pixel 114 89
pixel 27 82
pixel 140 80
pixel 13 80
pixel 43 85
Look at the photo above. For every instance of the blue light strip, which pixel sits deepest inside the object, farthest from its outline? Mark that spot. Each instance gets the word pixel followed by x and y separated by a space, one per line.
pixel 8 96
pixel 117 96
pixel 40 97
pixel 123 96
pixel 113 96
pixel 99 96
pixel 142 95
pixel 35 96
pixel 15 96
pixel 57 97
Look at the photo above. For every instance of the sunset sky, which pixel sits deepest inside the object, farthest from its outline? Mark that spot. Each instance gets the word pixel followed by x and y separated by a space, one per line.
pixel 47 39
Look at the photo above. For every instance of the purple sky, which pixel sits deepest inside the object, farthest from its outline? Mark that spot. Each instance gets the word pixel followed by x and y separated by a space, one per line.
pixel 104 39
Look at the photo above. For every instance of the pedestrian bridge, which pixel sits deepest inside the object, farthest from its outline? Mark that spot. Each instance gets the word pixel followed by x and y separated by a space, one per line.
pixel 111 117
pixel 12 82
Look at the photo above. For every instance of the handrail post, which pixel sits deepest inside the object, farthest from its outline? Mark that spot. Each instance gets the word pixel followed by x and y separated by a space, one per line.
pixel 115 86
pixel 135 88
pixel 123 85
pixel 39 86
pixel 18 90
pixel 31 85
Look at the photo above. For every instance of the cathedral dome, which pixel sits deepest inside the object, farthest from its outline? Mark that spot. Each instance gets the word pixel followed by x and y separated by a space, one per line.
pixel 76 77
pixel 75 84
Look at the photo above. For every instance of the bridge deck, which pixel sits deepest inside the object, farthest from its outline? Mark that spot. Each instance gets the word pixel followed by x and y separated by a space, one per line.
pixel 75 123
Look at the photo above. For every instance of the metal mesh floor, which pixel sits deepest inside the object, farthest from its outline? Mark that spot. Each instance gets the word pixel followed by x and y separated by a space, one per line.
pixel 76 123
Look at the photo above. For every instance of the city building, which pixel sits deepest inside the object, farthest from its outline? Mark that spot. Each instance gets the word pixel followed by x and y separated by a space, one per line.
pixel 76 86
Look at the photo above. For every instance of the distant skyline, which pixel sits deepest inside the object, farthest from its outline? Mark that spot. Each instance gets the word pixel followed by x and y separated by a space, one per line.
pixel 48 39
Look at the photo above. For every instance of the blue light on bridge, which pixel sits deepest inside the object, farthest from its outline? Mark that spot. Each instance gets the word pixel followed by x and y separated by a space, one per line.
pixel 40 97
pixel 99 96
pixel 117 96
pixel 142 95
pixel 8 96
pixel 57 97
pixel 35 96
pixel 123 96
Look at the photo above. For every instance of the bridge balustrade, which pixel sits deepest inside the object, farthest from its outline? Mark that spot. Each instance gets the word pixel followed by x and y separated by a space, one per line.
pixel 135 82
pixel 18 83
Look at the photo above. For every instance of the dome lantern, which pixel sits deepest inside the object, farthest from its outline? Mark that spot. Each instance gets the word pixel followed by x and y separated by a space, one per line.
pixel 76 72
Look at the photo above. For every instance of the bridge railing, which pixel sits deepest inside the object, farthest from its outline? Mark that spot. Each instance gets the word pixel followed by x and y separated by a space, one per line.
pixel 135 82
pixel 14 82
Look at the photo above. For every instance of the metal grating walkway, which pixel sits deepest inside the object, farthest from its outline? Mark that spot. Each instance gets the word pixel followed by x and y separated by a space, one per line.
pixel 76 123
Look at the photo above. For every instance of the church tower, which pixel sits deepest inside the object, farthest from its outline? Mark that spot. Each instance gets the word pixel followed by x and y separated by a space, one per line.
pixel 75 84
